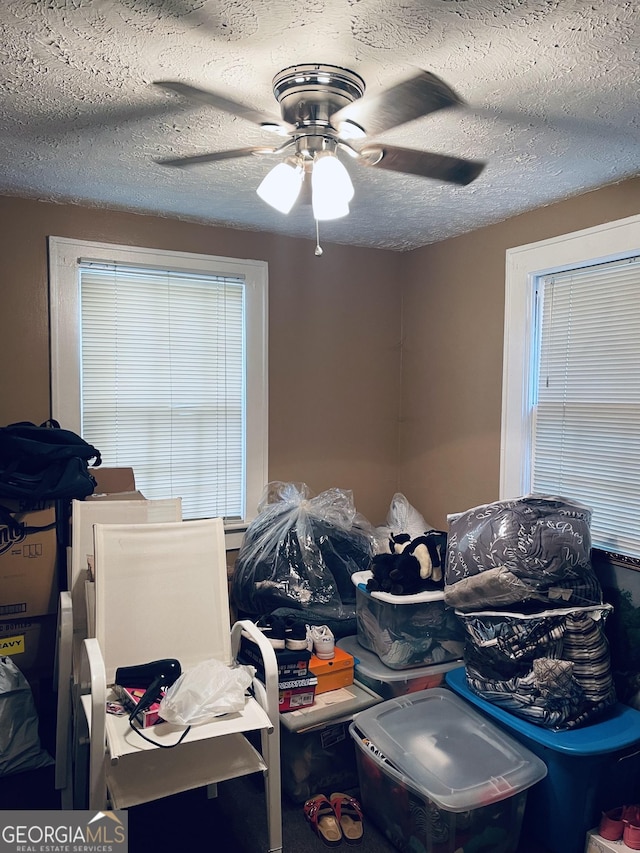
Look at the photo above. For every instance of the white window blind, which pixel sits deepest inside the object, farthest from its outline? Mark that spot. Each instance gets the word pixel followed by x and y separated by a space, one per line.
pixel 162 381
pixel 586 431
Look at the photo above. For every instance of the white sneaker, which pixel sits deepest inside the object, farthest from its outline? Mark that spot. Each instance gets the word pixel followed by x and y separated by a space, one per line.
pixel 323 642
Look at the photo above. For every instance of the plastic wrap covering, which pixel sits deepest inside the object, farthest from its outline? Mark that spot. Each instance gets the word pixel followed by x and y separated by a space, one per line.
pixel 534 549
pixel 300 551
pixel 551 668
pixel 19 738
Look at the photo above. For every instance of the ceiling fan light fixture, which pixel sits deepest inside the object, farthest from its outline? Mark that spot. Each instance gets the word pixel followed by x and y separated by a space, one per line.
pixel 273 127
pixel 281 186
pixel 325 207
pixel 331 187
pixel 350 130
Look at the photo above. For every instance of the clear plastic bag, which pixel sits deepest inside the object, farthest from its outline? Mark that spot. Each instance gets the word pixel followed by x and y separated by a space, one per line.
pixel 300 551
pixel 19 739
pixel 207 690
pixel 552 668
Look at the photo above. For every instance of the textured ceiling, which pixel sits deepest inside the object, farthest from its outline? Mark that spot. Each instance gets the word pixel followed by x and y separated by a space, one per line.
pixel 551 91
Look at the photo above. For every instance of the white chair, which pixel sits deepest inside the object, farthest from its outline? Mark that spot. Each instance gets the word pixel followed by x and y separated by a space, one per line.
pixel 161 592
pixel 74 616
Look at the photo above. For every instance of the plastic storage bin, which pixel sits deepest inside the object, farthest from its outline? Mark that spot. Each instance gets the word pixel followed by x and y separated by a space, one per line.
pixel 316 761
pixel 434 774
pixel 589 769
pixel 406 631
pixel 386 682
pixel 316 752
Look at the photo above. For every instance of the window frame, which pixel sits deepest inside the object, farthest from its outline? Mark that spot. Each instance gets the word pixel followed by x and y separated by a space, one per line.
pixel 64 300
pixel 525 265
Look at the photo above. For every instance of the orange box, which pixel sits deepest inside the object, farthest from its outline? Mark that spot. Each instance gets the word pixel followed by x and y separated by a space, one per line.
pixel 334 673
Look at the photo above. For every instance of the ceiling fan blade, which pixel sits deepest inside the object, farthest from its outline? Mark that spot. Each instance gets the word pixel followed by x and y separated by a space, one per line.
pixel 418 96
pixel 212 99
pixel 426 164
pixel 213 156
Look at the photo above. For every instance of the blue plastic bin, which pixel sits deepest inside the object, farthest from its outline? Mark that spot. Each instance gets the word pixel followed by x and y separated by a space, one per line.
pixel 589 769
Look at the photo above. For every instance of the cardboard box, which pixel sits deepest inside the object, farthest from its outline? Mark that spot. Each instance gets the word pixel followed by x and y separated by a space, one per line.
pixel 334 673
pixel 597 844
pixel 28 566
pixel 290 664
pixel 296 693
pixel 29 642
pixel 114 484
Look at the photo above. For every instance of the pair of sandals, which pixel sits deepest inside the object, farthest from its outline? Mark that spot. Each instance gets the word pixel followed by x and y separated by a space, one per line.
pixel 335 818
pixel 622 823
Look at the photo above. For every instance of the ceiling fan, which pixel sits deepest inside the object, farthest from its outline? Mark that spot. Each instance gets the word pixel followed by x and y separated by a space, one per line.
pixel 324 116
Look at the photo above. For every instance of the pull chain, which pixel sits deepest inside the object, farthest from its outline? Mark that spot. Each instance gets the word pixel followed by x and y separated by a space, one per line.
pixel 318 250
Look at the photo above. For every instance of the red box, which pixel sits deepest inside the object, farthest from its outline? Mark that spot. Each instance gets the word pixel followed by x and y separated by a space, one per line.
pixel 296 693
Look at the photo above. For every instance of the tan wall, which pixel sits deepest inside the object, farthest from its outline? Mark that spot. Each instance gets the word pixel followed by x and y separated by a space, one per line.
pixel 334 352
pixel 453 323
pixel 334 358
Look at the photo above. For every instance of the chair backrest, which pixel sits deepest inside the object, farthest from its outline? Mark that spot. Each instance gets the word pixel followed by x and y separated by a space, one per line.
pixel 84 514
pixel 161 592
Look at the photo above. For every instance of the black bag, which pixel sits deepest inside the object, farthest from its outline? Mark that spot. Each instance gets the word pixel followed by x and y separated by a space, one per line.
pixel 44 463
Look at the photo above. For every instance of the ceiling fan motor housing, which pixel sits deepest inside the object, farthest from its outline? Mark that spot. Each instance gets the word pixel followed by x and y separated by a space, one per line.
pixel 310 94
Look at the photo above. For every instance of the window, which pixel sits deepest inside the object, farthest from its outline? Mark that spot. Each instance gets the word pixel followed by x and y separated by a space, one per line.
pixel 571 390
pixel 159 360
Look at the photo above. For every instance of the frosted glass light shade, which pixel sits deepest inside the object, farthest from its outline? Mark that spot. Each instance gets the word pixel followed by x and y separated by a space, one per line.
pixel 328 207
pixel 331 186
pixel 281 186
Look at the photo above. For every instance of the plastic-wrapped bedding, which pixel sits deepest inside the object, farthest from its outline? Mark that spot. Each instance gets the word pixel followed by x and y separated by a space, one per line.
pixel 300 552
pixel 551 668
pixel 533 549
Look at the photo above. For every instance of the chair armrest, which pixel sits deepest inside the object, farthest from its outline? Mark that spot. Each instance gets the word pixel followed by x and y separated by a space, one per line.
pixel 64 646
pixel 62 683
pixel 269 660
pixel 94 678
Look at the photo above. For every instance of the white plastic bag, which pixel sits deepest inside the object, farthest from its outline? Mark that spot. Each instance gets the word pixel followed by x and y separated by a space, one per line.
pixel 405 518
pixel 210 689
pixel 401 518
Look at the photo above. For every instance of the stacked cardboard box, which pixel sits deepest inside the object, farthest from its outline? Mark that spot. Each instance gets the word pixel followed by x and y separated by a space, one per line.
pixel 28 586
